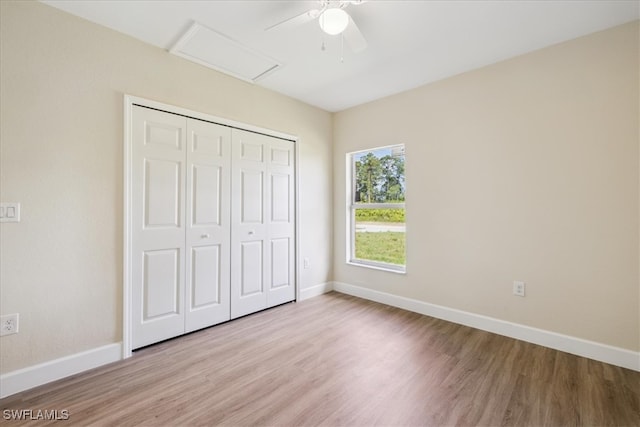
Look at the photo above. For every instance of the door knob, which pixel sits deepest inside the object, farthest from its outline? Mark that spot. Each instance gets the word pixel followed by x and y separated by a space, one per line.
pixel 205 236
pixel 251 232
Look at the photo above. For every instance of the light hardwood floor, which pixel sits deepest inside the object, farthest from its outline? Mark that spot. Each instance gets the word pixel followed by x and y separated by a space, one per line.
pixel 337 360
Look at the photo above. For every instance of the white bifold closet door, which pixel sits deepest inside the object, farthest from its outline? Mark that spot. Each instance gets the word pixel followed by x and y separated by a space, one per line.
pixel 181 225
pixel 263 222
pixel 212 224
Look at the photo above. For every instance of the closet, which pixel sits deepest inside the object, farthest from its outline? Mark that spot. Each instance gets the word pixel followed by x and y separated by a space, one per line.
pixel 212 223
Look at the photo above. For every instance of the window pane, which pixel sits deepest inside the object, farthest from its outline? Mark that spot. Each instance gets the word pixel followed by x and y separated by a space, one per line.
pixel 380 235
pixel 379 176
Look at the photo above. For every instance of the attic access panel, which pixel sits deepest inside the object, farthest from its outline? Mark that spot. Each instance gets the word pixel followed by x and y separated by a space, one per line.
pixel 212 49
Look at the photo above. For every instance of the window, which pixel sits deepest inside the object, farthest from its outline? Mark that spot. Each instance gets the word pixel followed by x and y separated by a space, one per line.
pixel 376 210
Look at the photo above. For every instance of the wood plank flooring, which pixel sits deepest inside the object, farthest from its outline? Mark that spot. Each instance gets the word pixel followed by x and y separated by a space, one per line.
pixel 336 360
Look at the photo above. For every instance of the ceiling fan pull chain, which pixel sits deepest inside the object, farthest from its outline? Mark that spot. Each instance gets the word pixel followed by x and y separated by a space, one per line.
pixel 342 47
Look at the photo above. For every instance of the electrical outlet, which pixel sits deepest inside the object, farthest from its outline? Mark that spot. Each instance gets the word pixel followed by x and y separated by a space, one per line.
pixel 518 288
pixel 8 324
pixel 305 262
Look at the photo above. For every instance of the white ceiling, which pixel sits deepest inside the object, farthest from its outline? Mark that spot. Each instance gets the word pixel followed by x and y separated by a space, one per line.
pixel 410 43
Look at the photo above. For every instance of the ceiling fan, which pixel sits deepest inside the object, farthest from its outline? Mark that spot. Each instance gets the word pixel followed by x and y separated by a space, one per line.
pixel 333 20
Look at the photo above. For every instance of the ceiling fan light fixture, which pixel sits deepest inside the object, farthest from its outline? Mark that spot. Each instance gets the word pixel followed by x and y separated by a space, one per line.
pixel 334 21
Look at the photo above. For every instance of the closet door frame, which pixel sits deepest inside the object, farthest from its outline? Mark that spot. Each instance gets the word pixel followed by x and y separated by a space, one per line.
pixel 127 282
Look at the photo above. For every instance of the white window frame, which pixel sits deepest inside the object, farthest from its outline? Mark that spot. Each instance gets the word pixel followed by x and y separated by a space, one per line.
pixel 351 215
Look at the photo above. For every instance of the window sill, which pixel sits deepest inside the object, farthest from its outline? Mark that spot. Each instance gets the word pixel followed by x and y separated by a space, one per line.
pixel 376 266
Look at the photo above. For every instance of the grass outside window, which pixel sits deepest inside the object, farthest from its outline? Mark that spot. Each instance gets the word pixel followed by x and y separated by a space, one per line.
pixel 387 247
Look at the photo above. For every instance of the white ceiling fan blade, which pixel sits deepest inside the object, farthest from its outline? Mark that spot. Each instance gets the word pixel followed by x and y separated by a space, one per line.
pixel 354 37
pixel 297 20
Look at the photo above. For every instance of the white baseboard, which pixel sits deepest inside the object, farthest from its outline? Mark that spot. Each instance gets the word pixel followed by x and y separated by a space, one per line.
pixel 33 376
pixel 316 290
pixel 578 346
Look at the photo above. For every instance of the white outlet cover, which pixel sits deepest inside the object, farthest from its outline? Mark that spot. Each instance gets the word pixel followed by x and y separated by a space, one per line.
pixel 9 324
pixel 518 288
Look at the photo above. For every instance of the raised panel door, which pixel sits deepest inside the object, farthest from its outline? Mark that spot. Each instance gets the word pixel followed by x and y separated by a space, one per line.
pixel 281 222
pixel 158 226
pixel 263 223
pixel 250 252
pixel 209 224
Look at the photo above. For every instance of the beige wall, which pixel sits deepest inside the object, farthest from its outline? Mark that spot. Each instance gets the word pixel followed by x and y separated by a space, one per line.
pixel 522 170
pixel 63 81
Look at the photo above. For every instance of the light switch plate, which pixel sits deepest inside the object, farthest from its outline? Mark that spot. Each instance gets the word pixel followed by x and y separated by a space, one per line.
pixel 10 212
